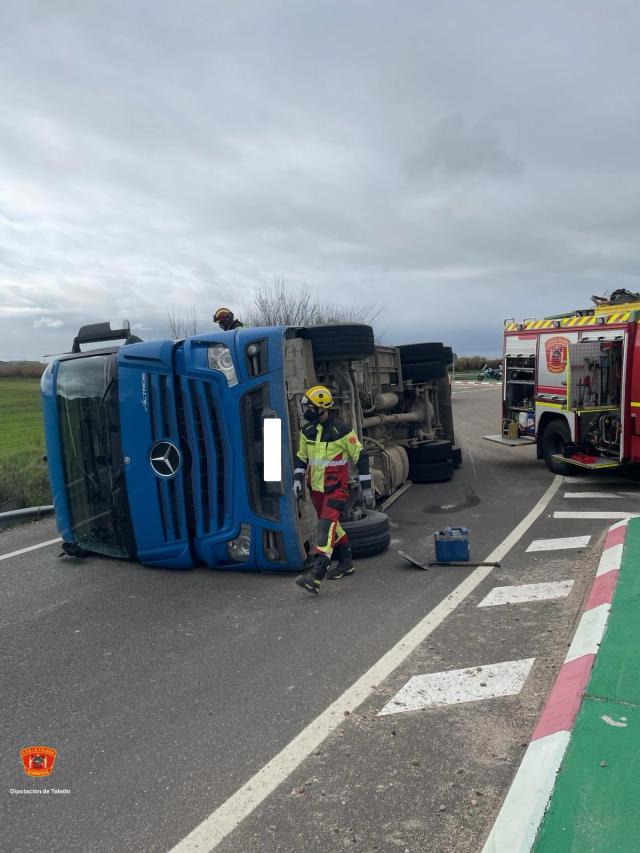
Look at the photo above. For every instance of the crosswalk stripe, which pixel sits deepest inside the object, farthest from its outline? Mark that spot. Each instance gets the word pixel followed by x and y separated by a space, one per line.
pixel 526 592
pixel 439 689
pixel 592 495
pixel 585 480
pixel 601 515
pixel 559 544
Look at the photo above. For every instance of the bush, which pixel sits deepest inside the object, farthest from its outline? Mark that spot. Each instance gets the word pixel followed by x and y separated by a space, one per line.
pixel 25 369
pixel 23 478
pixel 475 362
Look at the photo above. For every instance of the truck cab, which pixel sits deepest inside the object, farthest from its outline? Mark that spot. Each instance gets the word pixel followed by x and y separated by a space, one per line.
pixel 156 450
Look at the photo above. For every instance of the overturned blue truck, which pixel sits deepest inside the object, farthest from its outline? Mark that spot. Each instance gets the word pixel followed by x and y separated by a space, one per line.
pixel 156 450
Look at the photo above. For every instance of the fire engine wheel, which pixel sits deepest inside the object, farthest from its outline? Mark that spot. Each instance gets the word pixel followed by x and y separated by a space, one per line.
pixel 437 472
pixel 554 437
pixel 419 353
pixel 343 341
pixel 369 535
pixel 434 451
pixel 424 372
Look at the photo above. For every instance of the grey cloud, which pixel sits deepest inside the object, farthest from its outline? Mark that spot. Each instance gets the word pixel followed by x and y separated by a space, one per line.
pixel 457 146
pixel 471 161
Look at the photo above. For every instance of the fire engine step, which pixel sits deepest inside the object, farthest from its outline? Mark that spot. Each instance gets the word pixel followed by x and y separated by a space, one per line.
pixel 510 442
pixel 591 466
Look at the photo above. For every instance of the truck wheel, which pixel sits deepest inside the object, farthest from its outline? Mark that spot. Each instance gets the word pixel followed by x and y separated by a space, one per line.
pixel 369 535
pixel 418 353
pixel 437 472
pixel 554 437
pixel 424 372
pixel 456 456
pixel 446 355
pixel 425 454
pixel 341 341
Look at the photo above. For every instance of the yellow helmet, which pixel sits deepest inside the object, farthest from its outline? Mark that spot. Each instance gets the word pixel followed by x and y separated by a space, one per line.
pixel 220 314
pixel 319 396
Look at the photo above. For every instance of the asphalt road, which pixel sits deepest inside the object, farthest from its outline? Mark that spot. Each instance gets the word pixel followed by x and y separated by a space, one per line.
pixel 165 692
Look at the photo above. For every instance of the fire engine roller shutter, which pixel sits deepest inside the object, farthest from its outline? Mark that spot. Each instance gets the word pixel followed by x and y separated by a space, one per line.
pixel 369 535
pixel 341 341
pixel 424 372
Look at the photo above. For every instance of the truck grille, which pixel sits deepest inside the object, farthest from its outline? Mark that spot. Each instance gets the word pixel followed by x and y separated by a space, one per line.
pixel 205 483
pixel 164 425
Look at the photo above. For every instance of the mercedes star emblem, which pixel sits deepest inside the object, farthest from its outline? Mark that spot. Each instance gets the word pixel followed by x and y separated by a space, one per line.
pixel 164 458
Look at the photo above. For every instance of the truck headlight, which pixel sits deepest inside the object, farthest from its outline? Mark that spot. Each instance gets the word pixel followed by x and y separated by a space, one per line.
pixel 219 357
pixel 239 549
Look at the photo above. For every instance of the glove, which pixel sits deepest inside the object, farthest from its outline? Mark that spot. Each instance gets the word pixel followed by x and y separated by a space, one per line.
pixel 368 498
pixel 297 489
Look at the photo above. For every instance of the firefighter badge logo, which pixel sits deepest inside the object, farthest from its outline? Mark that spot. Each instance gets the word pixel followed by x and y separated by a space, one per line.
pixel 555 350
pixel 37 760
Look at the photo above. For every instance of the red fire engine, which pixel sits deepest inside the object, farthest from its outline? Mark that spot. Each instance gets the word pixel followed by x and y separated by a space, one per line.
pixel 571 385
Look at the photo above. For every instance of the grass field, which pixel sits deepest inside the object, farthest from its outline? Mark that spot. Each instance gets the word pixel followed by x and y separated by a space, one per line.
pixel 20 417
pixel 23 474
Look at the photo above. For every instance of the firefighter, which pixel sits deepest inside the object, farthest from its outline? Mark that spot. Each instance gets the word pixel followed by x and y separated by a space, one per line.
pixel 225 319
pixel 326 447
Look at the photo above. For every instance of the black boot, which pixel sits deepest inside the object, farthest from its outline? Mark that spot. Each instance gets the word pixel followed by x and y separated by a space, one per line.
pixel 341 553
pixel 311 579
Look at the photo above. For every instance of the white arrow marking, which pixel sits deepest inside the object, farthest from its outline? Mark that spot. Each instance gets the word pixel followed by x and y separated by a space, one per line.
pixel 460 685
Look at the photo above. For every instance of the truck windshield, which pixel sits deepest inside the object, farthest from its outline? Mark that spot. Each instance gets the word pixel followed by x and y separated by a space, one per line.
pixel 91 455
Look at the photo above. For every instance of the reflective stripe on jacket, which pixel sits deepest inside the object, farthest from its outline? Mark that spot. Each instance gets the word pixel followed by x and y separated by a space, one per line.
pixel 327 450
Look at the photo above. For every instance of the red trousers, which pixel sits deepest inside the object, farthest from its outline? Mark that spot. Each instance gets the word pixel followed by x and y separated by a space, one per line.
pixel 329 532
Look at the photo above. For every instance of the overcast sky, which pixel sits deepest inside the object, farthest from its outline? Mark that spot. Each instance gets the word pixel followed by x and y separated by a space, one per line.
pixel 458 162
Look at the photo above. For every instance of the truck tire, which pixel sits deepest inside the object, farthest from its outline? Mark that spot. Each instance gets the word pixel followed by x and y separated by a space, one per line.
pixel 434 451
pixel 369 535
pixel 424 372
pixel 456 456
pixel 446 355
pixel 341 341
pixel 436 472
pixel 554 437
pixel 418 353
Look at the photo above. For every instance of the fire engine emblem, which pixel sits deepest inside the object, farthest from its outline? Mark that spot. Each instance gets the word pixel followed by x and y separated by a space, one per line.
pixel 555 350
pixel 37 760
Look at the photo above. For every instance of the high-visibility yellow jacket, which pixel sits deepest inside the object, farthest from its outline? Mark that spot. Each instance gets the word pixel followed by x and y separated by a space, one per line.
pixel 326 449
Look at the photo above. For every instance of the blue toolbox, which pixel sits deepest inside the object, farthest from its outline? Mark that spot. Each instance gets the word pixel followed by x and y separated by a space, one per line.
pixel 452 545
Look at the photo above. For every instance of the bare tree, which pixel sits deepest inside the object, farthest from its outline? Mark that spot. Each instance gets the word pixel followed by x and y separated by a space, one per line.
pixel 183 325
pixel 277 305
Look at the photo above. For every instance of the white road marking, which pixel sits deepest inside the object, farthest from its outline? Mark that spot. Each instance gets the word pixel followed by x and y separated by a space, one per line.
pixel 602 515
pixel 526 592
pixel 592 495
pixel 221 822
pixel 30 548
pixel 589 634
pixel 585 480
pixel 621 724
pixel 559 544
pixel 473 684
pixel 517 824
